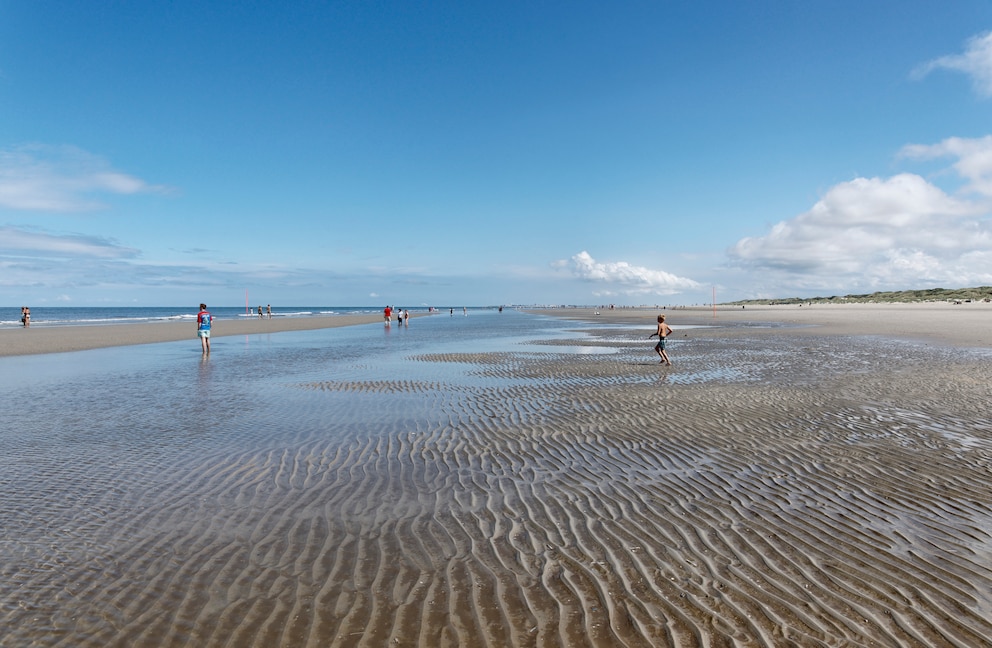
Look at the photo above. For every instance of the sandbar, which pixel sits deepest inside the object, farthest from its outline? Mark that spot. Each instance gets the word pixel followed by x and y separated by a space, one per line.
pixel 58 339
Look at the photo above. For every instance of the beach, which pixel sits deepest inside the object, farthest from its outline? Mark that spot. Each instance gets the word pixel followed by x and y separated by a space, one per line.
pixel 814 476
pixel 966 324
pixel 944 323
pixel 60 339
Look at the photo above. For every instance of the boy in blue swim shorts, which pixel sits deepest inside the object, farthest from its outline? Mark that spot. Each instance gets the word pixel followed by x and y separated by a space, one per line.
pixel 663 331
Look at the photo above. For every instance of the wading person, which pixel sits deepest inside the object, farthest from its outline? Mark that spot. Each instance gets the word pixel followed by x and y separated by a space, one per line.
pixel 203 321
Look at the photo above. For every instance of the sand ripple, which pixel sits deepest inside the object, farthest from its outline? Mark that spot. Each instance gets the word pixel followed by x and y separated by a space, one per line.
pixel 768 494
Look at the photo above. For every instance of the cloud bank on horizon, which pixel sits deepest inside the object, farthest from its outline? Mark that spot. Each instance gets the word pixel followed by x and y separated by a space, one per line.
pixel 621 278
pixel 878 232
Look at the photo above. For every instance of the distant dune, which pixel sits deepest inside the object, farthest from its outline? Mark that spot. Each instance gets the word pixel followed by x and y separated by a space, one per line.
pixel 981 293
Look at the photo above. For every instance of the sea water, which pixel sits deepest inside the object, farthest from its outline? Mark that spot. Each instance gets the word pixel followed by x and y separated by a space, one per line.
pixel 89 315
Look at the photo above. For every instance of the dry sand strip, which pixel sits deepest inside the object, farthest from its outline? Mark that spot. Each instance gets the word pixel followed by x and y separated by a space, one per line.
pixel 961 325
pixel 57 339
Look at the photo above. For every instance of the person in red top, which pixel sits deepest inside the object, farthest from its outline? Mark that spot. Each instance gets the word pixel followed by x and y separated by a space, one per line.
pixel 387 314
pixel 203 321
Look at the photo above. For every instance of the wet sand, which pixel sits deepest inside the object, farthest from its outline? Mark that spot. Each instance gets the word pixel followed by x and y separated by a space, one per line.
pixel 777 486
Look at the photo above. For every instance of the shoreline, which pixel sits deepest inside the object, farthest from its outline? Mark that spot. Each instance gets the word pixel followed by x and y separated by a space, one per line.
pixel 61 339
pixel 965 325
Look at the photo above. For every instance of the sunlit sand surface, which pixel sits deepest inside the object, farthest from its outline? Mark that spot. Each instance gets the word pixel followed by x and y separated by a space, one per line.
pixel 500 480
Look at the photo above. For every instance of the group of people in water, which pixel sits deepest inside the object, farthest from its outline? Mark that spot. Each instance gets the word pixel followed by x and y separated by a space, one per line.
pixel 402 316
pixel 204 320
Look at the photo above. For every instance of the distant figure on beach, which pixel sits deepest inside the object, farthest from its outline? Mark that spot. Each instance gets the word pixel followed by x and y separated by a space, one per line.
pixel 451 311
pixel 203 321
pixel 268 311
pixel 25 316
pixel 387 314
pixel 664 330
pixel 259 312
pixel 399 315
pixel 406 318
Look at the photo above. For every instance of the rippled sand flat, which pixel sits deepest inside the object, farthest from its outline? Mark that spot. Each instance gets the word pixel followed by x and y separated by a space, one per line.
pixel 764 491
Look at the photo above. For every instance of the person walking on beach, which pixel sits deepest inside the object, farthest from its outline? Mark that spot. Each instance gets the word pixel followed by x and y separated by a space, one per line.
pixel 387 315
pixel 664 330
pixel 203 321
pixel 268 311
pixel 25 316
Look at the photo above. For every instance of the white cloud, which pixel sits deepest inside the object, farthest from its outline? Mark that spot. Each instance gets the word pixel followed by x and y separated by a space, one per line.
pixel 624 278
pixel 974 159
pixel 57 266
pixel 60 179
pixel 23 243
pixel 893 232
pixel 976 62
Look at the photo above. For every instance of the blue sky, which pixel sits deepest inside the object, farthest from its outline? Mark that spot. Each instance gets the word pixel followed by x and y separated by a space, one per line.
pixel 465 153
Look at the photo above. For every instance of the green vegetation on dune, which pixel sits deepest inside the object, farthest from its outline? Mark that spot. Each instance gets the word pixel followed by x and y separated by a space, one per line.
pixel 982 293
